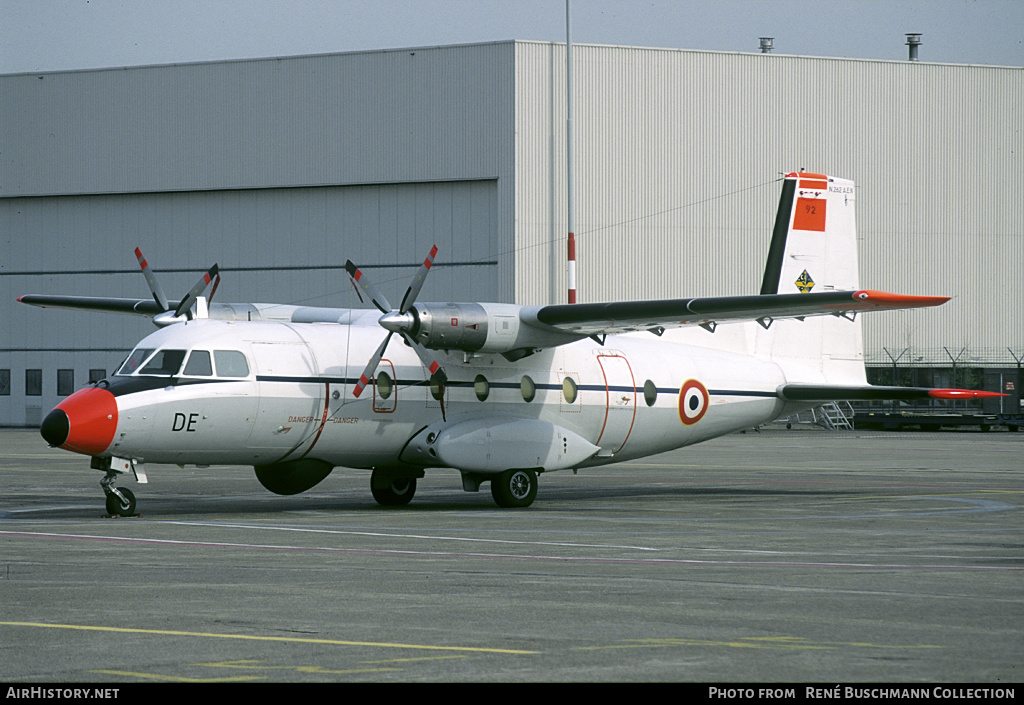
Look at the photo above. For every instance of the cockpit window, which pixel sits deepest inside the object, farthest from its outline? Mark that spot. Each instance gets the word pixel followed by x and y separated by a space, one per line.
pixel 199 364
pixel 230 363
pixel 135 360
pixel 165 362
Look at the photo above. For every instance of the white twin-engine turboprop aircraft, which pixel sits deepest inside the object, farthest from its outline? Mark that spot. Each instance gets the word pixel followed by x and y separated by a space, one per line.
pixel 499 392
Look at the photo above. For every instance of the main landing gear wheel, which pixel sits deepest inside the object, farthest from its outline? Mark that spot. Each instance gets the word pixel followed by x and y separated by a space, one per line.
pixel 396 493
pixel 515 488
pixel 116 507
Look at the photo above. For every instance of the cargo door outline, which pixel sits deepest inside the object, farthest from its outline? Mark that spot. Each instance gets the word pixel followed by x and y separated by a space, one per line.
pixel 334 398
pixel 620 402
pixel 291 400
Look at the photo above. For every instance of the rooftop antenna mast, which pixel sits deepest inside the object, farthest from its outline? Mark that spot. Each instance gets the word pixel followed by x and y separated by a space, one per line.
pixel 571 265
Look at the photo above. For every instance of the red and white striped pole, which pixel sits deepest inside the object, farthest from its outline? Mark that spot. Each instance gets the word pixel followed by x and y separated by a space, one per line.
pixel 572 268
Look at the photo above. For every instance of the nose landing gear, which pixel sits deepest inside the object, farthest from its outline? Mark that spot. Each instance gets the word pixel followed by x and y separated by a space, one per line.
pixel 120 500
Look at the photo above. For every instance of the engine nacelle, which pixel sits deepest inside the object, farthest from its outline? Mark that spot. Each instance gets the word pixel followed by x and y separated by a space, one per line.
pixel 481 328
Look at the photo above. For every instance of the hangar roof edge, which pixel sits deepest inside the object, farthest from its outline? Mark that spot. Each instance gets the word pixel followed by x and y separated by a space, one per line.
pixel 773 56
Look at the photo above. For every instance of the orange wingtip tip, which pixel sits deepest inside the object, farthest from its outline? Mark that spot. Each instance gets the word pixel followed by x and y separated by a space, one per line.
pixel 962 394
pixel 887 299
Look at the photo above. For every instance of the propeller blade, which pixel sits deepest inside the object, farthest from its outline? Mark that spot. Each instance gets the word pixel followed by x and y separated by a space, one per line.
pixel 216 283
pixel 417 283
pixel 400 321
pixel 432 365
pixel 359 277
pixel 193 294
pixel 356 289
pixel 154 285
pixel 364 379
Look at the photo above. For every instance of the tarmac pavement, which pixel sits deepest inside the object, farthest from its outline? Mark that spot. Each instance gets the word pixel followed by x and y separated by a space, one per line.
pixel 779 556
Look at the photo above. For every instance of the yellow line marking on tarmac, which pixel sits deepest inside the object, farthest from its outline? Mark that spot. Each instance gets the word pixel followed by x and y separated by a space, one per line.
pixel 250 637
pixel 776 642
pixel 177 679
pixel 252 665
pixel 417 658
pixel 662 643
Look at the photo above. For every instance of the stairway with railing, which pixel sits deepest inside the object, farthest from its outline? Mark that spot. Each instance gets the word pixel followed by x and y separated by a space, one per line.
pixel 833 416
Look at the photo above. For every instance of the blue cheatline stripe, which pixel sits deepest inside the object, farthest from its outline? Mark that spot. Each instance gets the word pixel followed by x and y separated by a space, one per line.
pixel 742 393
pixel 468 384
pixel 314 379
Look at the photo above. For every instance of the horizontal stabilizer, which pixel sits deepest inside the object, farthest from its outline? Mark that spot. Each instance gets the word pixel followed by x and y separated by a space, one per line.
pixel 825 392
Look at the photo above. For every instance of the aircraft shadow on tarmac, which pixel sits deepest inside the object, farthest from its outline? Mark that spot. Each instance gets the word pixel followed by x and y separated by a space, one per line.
pixel 563 498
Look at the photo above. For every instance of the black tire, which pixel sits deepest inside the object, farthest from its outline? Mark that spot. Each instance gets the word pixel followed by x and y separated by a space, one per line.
pixel 117 508
pixel 515 488
pixel 396 493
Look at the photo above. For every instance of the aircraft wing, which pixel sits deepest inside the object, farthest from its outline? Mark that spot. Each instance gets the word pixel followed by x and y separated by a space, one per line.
pixel 138 307
pixel 622 317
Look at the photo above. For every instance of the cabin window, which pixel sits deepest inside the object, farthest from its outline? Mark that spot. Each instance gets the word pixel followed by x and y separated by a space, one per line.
pixel 199 364
pixel 569 390
pixel 165 362
pixel 650 393
pixel 482 387
pixel 230 363
pixel 135 360
pixel 528 388
pixel 384 385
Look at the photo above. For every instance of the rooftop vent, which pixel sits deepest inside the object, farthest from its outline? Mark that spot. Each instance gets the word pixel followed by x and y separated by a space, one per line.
pixel 766 45
pixel 913 42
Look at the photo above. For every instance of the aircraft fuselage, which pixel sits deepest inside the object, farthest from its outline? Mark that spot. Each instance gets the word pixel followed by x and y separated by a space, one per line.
pixel 292 400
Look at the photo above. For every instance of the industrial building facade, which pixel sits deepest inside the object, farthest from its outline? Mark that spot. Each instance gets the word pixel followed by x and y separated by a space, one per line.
pixel 281 169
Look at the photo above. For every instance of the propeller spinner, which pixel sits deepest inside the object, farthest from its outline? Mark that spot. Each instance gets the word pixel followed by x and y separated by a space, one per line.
pixel 400 320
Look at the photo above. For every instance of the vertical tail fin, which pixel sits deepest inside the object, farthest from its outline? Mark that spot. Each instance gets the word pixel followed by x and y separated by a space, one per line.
pixel 814 248
pixel 814 241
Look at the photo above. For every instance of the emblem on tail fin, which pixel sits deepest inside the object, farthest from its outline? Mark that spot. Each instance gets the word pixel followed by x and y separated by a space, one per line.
pixel 804 282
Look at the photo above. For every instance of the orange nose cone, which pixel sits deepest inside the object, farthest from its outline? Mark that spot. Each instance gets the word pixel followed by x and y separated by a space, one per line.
pixel 84 423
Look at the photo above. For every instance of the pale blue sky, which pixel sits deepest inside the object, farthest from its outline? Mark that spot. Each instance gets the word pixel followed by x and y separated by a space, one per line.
pixel 53 35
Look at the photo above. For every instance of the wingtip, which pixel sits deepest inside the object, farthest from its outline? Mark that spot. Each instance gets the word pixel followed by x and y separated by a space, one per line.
pixel 890 300
pixel 963 394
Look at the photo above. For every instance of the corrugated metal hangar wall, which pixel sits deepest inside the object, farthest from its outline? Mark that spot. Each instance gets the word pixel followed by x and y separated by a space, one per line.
pixel 281 169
